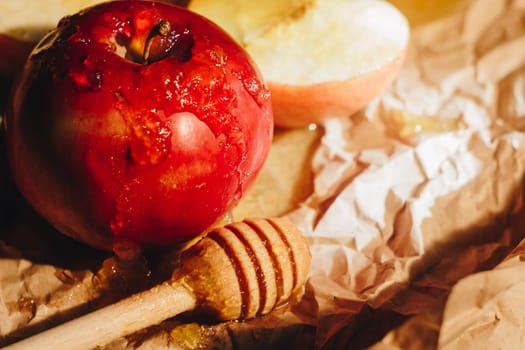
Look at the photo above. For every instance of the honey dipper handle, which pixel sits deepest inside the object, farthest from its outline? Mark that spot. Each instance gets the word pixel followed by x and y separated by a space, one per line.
pixel 111 322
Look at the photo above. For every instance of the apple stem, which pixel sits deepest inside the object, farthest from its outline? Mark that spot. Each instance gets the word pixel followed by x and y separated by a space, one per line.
pixel 162 28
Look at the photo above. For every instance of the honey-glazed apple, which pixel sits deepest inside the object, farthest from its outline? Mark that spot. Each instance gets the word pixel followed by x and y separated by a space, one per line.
pixel 137 123
pixel 321 59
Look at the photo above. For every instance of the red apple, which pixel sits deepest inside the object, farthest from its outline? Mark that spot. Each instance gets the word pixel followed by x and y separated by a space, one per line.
pixel 137 122
pixel 13 55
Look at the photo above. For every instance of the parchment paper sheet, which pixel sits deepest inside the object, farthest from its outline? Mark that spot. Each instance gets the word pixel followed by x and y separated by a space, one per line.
pixel 421 190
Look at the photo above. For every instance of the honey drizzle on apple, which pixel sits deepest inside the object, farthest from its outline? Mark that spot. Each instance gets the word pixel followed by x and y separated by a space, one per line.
pixel 96 78
pixel 149 137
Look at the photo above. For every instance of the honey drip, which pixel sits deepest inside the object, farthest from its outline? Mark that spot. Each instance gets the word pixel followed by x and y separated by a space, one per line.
pixel 405 125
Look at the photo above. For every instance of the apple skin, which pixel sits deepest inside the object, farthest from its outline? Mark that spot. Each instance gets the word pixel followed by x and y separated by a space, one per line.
pixel 117 149
pixel 296 106
pixel 13 54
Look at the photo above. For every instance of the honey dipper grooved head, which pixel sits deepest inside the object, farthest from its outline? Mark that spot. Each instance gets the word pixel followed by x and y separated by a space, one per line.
pixel 246 269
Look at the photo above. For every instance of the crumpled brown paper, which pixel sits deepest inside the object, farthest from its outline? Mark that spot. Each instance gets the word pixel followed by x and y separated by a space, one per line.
pixel 421 190
pixel 484 310
pixel 431 170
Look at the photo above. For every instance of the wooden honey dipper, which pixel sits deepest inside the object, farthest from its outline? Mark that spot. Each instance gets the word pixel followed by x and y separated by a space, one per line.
pixel 239 271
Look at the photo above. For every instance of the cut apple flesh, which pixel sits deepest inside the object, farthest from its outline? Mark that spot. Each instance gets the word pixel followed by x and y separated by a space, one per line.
pixel 347 50
pixel 332 40
pixel 245 20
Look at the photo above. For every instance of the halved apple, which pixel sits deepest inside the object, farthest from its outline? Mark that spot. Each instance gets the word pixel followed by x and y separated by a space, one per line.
pixel 321 58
